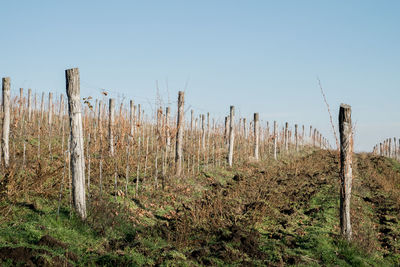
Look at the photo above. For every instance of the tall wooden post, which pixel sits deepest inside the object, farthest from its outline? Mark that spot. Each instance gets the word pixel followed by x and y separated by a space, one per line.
pixel 42 108
pixel 29 104
pixel 231 135
pixel 111 126
pixel 275 138
pixel 296 137
pixel 132 118
pixel 77 159
pixel 21 101
pixel 256 135
pixel 346 161
pixel 50 115
pixel 203 132
pixel 226 130
pixel 286 136
pixel 6 122
pixel 179 134
pixel 167 130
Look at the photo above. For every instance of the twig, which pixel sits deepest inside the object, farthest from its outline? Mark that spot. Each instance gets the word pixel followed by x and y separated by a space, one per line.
pixel 330 114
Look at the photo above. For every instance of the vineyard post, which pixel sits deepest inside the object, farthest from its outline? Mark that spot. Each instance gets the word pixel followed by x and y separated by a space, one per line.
pixel 29 104
pixel 296 137
pixel 203 133
pixel 110 126
pixel 286 137
pixel 346 161
pixel 132 119
pixel 256 135
pixel 42 107
pixel 50 120
pixel 275 138
pixel 6 121
pixel 231 135
pixel 226 130
pixel 77 159
pixel 168 133
pixel 180 123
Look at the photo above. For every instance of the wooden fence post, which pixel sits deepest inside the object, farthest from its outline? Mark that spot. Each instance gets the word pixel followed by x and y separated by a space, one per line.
pixel 179 134
pixel 132 119
pixel 286 137
pixel 275 138
pixel 167 129
pixel 111 126
pixel 231 135
pixel 256 135
pixel 346 161
pixel 29 104
pixel 6 122
pixel 296 137
pixel 77 159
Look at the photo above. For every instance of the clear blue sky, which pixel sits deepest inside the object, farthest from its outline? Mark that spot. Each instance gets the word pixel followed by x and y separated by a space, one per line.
pixel 261 56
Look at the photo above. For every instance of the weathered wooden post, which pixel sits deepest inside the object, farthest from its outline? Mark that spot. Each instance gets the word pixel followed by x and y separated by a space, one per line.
pixel 256 135
pixel 167 129
pixel 77 159
pixel 42 107
pixel 21 102
pixel 275 138
pixel 346 161
pixel 50 115
pixel 111 126
pixel 226 130
pixel 296 137
pixel 179 134
pixel 286 136
pixel 6 122
pixel 132 118
pixel 29 104
pixel 231 135
pixel 203 132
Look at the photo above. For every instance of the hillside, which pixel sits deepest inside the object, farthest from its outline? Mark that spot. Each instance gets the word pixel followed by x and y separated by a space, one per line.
pixel 268 213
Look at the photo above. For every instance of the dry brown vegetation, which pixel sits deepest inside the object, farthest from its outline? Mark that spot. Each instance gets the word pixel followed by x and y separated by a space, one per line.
pixel 266 212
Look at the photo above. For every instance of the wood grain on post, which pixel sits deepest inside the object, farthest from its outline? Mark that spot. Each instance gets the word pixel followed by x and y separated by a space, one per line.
pixel 231 135
pixel 111 126
pixel 256 135
pixel 180 124
pixel 346 161
pixel 5 150
pixel 77 160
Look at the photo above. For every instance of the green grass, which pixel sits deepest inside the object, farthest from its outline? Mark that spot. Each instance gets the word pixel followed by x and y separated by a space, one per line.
pixel 144 233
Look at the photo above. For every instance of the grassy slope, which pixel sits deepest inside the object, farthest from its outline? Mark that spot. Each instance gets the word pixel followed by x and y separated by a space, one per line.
pixel 271 213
